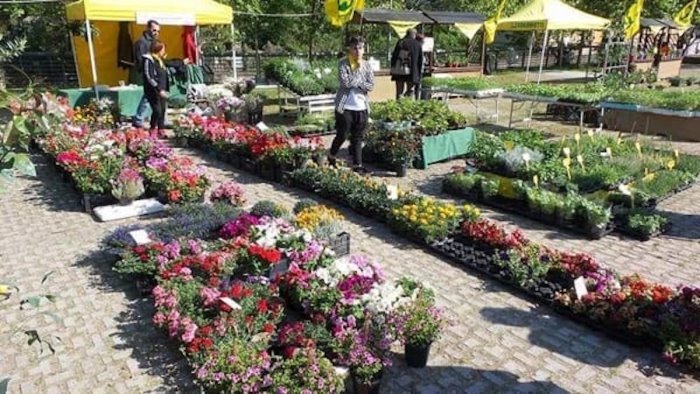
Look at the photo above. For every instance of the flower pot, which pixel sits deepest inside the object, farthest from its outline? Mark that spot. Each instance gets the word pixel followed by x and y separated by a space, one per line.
pixel 417 356
pixel 401 170
pixel 367 388
pixel 126 201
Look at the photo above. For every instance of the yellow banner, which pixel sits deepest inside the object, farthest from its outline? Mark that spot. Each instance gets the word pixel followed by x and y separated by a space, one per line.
pixel 401 27
pixel 468 29
pixel 340 12
pixel 491 24
pixel 631 19
pixel 684 17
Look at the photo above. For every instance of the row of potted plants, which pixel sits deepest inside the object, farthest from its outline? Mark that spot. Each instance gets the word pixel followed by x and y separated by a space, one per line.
pixel 589 93
pixel 259 304
pixel 303 78
pixel 268 153
pixel 110 164
pixel 655 315
pixel 609 171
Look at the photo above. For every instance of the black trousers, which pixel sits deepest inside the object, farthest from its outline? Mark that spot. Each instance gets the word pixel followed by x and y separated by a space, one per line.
pixel 355 124
pixel 158 106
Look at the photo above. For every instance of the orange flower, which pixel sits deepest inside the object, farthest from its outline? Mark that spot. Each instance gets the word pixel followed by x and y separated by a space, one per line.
pixel 174 195
pixel 661 294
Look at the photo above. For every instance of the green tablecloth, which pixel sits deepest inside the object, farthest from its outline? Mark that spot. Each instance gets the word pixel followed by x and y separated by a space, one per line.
pixel 446 146
pixel 127 98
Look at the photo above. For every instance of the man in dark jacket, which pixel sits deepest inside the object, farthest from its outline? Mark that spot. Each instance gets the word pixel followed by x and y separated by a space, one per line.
pixel 143 47
pixel 414 49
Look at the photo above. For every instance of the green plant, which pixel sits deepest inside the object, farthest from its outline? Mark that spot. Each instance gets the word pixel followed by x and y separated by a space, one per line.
pixel 421 322
pixel 464 182
pixel 489 187
pixel 303 204
pixel 593 214
pixel 269 208
pixel 644 223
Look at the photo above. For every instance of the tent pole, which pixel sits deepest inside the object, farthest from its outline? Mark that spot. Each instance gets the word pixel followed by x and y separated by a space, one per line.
pixel 483 54
pixel 529 57
pixel 88 30
pixel 544 50
pixel 196 46
pixel 233 51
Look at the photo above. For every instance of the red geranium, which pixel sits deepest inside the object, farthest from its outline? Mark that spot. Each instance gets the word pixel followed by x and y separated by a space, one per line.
pixel 271 256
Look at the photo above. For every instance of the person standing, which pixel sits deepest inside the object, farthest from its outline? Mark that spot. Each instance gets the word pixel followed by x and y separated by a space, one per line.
pixel 155 86
pixel 352 103
pixel 142 47
pixel 407 64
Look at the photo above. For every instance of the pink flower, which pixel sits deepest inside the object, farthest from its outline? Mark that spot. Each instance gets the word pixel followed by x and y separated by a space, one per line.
pixel 209 296
pixel 190 330
pixel 158 319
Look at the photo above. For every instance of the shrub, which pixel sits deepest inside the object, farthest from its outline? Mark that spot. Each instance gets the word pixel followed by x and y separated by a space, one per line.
pixel 269 208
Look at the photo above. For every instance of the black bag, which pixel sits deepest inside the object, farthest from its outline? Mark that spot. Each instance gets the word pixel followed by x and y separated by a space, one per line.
pixel 402 65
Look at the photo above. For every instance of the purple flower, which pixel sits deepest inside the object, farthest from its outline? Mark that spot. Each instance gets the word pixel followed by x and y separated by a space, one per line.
pixel 157 163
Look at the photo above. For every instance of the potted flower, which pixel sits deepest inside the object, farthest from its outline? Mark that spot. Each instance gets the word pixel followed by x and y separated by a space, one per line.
pixel 230 192
pixel 418 322
pixel 230 106
pixel 128 186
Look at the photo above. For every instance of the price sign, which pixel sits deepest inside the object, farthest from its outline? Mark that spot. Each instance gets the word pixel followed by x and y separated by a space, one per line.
pixel 567 151
pixel 579 159
pixel 639 148
pixel 140 237
pixel 580 287
pixel 609 152
pixel 536 181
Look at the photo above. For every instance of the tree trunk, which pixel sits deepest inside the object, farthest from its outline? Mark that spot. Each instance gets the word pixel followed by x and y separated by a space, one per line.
pixel 312 28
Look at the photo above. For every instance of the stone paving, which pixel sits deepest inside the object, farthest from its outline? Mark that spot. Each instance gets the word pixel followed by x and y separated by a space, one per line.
pixel 499 342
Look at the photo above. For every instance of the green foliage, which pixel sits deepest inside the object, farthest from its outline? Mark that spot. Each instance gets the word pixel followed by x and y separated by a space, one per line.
pixel 580 93
pixel 464 83
pixel 303 204
pixel 688 100
pixel 302 78
pixel 431 117
pixel 269 208
pixel 644 223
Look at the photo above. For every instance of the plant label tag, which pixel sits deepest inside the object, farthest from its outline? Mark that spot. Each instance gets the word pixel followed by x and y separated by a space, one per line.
pixel 262 126
pixel 567 151
pixel 140 237
pixel 392 192
pixel 279 269
pixel 580 287
pixel 676 153
pixel 589 132
pixel 231 303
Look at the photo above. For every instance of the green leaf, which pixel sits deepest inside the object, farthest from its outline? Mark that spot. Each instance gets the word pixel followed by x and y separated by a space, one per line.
pixel 46 277
pixel 4 383
pixel 24 165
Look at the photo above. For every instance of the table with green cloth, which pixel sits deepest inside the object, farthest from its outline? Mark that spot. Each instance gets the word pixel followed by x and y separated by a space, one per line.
pixel 127 98
pixel 451 144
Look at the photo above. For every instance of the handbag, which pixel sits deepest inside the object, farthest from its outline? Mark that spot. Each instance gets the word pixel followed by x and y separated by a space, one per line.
pixel 402 64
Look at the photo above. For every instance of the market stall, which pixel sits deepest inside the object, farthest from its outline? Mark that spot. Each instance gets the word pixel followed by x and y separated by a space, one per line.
pixel 546 16
pixel 657 47
pixel 400 21
pixel 102 54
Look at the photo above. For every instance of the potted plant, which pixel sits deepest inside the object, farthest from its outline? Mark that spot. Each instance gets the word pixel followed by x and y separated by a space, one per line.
pixel 419 322
pixel 128 186
pixel 675 81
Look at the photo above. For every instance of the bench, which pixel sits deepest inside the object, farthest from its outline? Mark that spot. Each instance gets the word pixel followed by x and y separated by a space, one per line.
pixel 318 103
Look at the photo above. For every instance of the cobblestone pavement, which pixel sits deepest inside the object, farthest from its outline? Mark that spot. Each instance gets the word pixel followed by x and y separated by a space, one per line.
pixel 499 342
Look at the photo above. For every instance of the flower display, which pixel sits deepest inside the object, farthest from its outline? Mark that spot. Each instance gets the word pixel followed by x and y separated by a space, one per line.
pixel 128 185
pixel 430 219
pixel 231 192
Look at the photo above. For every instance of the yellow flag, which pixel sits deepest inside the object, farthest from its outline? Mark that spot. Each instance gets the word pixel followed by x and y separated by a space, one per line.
pixel 684 17
pixel 631 21
pixel 492 23
pixel 340 12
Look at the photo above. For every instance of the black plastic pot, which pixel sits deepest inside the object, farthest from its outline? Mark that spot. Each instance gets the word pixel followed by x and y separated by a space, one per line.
pixel 417 356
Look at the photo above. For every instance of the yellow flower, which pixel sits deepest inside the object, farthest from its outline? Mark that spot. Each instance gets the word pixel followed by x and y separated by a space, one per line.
pixel 423 222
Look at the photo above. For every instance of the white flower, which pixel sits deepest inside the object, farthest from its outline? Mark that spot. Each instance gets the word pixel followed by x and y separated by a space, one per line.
pixel 326 70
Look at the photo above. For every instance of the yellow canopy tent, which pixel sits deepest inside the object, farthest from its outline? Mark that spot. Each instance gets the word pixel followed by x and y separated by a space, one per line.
pixel 546 15
pixel 97 55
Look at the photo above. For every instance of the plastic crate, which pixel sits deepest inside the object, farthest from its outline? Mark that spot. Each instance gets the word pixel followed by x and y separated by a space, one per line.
pixel 340 244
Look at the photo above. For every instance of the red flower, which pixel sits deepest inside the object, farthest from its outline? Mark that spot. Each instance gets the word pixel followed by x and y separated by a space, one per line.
pixel 174 195
pixel 618 298
pixel 661 294
pixel 262 306
pixel 269 328
pixel 271 256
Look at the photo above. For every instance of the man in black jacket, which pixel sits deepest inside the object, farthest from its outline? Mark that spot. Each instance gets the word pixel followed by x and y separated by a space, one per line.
pixel 143 47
